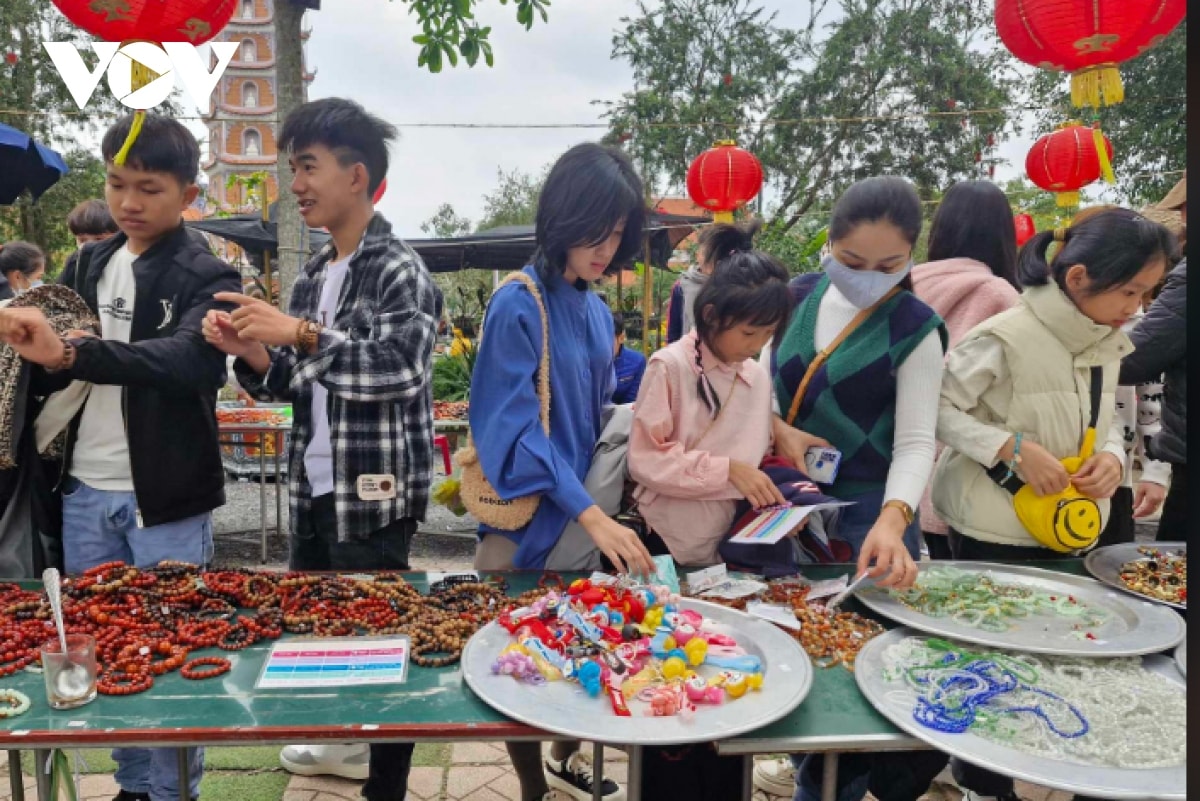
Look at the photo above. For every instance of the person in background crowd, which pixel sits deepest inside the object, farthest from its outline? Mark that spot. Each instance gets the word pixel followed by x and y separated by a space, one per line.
pixel 681 312
pixel 144 492
pixel 971 276
pixel 23 265
pixel 90 221
pixel 629 364
pixel 1160 349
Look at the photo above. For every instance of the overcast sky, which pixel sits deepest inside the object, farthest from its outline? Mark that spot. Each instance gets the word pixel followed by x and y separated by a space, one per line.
pixel 363 49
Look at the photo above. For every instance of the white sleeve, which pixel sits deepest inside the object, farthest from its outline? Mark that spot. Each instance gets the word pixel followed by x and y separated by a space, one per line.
pixel 764 359
pixel 918 386
pixel 1148 405
pixel 972 368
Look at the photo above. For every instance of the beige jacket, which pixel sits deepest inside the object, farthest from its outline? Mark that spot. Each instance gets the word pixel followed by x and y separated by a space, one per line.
pixel 1029 370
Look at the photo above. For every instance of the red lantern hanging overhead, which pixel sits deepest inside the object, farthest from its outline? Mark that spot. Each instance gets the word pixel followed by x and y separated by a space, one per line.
pixel 1086 38
pixel 1069 159
pixel 724 178
pixel 193 21
pixel 1025 228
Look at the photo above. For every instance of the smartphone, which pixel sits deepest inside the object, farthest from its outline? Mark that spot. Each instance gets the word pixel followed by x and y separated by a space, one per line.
pixel 822 464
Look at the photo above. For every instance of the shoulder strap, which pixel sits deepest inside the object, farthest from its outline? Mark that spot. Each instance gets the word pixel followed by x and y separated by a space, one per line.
pixel 823 355
pixel 1089 436
pixel 543 389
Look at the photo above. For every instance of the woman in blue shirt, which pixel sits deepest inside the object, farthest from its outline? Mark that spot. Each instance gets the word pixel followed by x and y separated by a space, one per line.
pixel 589 221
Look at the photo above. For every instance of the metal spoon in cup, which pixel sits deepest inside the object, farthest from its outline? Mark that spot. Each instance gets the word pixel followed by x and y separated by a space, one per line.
pixel 73 680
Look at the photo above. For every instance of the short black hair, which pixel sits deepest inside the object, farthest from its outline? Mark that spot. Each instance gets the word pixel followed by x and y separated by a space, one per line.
pixel 91 218
pixel 747 286
pixel 163 145
pixel 1113 245
pixel 885 197
pixel 975 221
pixel 618 323
pixel 21 256
pixel 590 190
pixel 353 134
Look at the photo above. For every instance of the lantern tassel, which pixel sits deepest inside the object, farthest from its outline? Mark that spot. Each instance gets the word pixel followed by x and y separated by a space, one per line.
pixel 140 75
pixel 1097 86
pixel 723 217
pixel 1067 199
pixel 1102 156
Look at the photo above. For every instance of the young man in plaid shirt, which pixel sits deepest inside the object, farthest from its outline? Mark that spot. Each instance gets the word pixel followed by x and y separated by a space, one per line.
pixel 354 357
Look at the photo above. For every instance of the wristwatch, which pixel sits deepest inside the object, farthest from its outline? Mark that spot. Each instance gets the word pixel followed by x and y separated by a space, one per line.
pixel 904 508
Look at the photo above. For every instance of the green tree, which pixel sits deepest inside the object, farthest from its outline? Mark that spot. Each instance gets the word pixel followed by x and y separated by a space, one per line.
pixel 514 200
pixel 448 30
pixel 1148 130
pixel 446 223
pixel 872 87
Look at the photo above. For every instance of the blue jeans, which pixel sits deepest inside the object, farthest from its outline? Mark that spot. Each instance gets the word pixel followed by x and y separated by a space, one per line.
pixel 855 770
pixel 101 526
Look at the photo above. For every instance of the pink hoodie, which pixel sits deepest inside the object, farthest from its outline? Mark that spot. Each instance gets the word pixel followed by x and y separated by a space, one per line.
pixel 964 292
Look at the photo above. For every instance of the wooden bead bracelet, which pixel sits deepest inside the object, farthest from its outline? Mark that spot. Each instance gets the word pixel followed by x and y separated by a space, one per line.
pixel 219 665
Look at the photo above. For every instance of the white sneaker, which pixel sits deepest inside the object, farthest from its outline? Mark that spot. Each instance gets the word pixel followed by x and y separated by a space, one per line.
pixel 573 777
pixel 347 761
pixel 775 776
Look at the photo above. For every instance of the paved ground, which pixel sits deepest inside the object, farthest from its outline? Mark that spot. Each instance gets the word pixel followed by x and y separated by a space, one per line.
pixel 458 772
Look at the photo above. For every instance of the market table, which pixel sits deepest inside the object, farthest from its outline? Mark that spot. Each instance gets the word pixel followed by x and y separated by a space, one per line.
pixel 237 434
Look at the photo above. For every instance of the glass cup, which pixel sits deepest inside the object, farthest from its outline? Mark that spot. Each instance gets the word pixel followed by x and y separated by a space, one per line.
pixel 70 677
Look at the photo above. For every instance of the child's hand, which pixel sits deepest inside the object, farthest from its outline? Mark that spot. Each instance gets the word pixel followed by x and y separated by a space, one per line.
pixel 1041 470
pixel 1147 498
pixel 755 485
pixel 1099 477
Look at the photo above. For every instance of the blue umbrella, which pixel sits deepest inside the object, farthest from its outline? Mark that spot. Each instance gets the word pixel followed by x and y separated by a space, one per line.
pixel 26 164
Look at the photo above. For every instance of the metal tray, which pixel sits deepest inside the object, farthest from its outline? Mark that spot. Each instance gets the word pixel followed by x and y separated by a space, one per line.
pixel 562 707
pixel 1105 564
pixel 895 702
pixel 1181 657
pixel 1134 626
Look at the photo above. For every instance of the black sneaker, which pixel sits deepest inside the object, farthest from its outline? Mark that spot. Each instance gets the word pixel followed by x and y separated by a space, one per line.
pixel 573 776
pixel 125 795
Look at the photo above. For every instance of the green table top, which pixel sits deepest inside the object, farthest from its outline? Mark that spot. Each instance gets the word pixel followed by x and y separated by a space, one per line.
pixel 433 704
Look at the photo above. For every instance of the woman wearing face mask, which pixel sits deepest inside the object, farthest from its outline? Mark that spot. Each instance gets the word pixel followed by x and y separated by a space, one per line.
pixel 23 264
pixel 872 396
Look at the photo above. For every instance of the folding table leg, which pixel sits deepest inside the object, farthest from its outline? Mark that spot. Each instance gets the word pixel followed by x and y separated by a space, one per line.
pixel 748 777
pixel 185 772
pixel 829 777
pixel 633 789
pixel 16 780
pixel 41 761
pixel 597 771
pixel 262 492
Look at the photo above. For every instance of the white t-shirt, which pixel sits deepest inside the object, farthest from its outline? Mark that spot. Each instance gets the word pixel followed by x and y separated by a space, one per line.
pixel 101 455
pixel 318 456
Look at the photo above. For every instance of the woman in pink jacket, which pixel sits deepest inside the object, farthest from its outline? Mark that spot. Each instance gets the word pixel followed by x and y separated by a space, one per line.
pixel 970 276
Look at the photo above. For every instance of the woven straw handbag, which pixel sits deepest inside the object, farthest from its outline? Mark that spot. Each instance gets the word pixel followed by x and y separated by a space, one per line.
pixel 477 493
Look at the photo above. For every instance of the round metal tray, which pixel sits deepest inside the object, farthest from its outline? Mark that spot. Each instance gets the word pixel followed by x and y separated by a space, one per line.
pixel 1105 564
pixel 895 702
pixel 564 708
pixel 1134 626
pixel 1181 657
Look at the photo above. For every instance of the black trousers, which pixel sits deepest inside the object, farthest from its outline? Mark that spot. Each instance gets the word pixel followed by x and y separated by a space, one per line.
pixel 1120 528
pixel 938 545
pixel 1173 524
pixel 314 546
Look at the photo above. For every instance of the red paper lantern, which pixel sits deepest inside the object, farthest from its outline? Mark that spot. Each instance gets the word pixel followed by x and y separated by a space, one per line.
pixel 379 190
pixel 724 178
pixel 1086 38
pixel 193 21
pixel 1067 160
pixel 1025 228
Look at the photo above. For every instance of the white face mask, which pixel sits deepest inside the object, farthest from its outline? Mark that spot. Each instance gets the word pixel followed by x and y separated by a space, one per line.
pixel 863 288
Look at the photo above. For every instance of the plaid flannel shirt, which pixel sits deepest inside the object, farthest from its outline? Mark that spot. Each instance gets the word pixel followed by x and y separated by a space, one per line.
pixel 375 360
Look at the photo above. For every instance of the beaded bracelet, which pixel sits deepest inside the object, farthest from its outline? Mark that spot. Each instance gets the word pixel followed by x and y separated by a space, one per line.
pixel 13 703
pixel 218 666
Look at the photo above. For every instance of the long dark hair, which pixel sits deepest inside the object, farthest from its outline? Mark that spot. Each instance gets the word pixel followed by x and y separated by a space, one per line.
pixel 24 257
pixel 589 191
pixel 1113 246
pixel 885 198
pixel 974 221
pixel 747 287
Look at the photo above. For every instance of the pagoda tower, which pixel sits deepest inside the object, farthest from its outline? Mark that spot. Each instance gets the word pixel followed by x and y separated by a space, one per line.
pixel 242 112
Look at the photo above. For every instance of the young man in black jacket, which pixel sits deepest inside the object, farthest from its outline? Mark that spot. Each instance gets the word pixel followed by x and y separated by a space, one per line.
pixel 142 469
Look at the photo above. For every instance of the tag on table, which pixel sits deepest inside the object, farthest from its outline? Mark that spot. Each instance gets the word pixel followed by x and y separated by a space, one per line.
pixel 827 588
pixel 775 613
pixel 732 589
pixel 335 662
pixel 775 522
pixel 707 578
